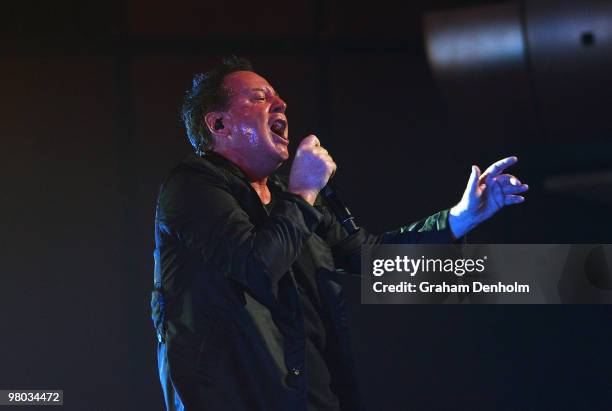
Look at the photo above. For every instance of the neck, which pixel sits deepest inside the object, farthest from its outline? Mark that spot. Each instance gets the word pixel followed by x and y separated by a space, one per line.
pixel 257 174
pixel 261 188
pixel 253 171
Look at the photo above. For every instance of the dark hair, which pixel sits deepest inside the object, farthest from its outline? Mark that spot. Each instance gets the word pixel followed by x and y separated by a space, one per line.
pixel 208 94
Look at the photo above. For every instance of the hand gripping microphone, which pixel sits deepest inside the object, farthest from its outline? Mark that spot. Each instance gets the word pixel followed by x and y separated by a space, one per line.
pixel 339 208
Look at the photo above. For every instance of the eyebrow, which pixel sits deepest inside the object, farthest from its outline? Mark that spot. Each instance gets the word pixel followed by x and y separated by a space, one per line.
pixel 263 90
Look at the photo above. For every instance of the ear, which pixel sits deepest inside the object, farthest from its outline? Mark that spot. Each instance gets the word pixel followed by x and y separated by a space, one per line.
pixel 214 123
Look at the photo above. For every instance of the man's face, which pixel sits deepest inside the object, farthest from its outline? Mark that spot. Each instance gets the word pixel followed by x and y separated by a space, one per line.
pixel 255 117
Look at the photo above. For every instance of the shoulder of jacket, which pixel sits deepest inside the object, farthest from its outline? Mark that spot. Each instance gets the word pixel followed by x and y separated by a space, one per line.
pixel 199 165
pixel 204 168
pixel 192 170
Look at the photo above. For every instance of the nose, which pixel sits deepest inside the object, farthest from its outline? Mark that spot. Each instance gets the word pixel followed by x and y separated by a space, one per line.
pixel 278 105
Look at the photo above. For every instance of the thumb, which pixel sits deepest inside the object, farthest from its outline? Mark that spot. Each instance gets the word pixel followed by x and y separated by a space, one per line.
pixel 472 184
pixel 310 141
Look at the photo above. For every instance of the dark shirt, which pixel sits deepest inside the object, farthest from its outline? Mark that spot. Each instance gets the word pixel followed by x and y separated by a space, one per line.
pixel 320 395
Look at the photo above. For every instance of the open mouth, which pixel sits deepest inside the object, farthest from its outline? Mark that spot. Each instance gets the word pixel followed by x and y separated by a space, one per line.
pixel 278 127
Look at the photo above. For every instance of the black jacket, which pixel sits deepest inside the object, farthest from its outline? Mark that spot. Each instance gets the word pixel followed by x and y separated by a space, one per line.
pixel 225 343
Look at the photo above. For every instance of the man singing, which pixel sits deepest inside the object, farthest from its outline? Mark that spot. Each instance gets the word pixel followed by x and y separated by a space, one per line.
pixel 247 306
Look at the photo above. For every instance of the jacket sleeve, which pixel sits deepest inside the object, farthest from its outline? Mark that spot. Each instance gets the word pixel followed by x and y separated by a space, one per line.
pixel 346 248
pixel 204 216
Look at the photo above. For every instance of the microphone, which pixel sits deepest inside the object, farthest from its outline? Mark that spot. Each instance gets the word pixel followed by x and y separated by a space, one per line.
pixel 339 208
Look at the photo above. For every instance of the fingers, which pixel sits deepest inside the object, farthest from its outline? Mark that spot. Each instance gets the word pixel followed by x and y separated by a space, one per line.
pixel 473 180
pixel 507 179
pixel 330 161
pixel 515 190
pixel 488 179
pixel 312 144
pixel 322 153
pixel 510 184
pixel 334 167
pixel 513 199
pixel 320 150
pixel 496 168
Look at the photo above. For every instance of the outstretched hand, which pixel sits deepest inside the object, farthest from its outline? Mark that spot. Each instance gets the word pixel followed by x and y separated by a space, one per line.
pixel 486 194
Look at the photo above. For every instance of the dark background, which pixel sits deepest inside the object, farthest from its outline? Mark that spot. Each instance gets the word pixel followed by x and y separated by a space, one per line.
pixel 90 94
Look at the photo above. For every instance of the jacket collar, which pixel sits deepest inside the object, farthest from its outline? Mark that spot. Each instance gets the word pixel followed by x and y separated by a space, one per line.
pixel 222 162
pixel 225 164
